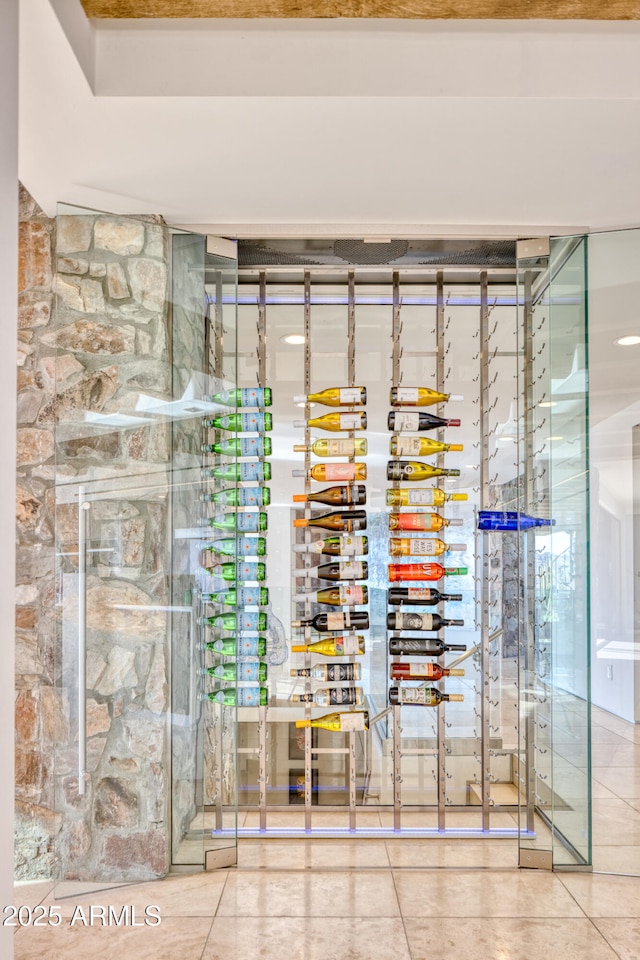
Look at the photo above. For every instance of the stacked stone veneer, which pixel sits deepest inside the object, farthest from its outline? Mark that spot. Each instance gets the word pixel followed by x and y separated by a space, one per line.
pixel 100 346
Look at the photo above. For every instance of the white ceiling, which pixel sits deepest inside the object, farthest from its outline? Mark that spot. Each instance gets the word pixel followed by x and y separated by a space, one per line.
pixel 482 129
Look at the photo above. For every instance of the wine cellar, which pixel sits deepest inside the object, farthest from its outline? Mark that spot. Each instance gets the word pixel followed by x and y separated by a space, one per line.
pixel 372 540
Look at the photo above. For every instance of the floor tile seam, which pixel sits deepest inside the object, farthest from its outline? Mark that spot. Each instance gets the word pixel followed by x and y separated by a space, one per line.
pixel 603 935
pixel 561 876
pixel 224 887
pixel 206 939
pixel 388 869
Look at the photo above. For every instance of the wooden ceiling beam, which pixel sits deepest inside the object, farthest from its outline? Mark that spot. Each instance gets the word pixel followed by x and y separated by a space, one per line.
pixel 385 9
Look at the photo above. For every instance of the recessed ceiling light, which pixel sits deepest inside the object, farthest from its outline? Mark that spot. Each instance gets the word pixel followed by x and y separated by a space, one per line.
pixel 630 341
pixel 293 338
pixel 547 403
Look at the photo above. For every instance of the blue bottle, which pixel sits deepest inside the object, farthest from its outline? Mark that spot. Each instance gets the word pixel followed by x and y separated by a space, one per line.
pixel 509 520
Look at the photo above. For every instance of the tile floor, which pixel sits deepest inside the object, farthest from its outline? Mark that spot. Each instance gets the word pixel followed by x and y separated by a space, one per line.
pixel 439 899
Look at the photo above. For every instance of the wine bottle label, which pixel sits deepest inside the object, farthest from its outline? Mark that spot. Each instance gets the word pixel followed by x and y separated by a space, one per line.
pixel 248 696
pixel 340 448
pixel 248 621
pixel 248 671
pixel 351 595
pixel 408 446
pixel 251 397
pixel 407 395
pixel 419 593
pixel 340 671
pixel 420 670
pixel 349 394
pixel 249 446
pixel 248 596
pixel 421 695
pixel 347 646
pixel 246 646
pixel 247 522
pixel 412 521
pixel 251 471
pixel 351 570
pixel 247 571
pixel 340 695
pixel 338 621
pixel 406 421
pixel 351 546
pixel 414 621
pixel 248 497
pixel 350 421
pixel 340 471
pixel 352 722
pixel 420 498
pixel 423 548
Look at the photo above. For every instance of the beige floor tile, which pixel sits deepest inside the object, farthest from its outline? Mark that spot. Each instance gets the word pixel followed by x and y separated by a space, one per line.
pixel 500 938
pixel 307 938
pixel 470 819
pixel 197 895
pixel 616 755
pixel 604 896
pixel 622 781
pixel 617 859
pixel 483 893
pixel 453 853
pixel 312 854
pixel 172 938
pixel 30 894
pixel 600 792
pixel 274 894
pixel 623 934
pixel 615 822
pixel 323 819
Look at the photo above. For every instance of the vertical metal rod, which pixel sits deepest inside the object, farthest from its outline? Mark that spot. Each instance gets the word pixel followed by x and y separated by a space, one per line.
pixel 82 641
pixel 485 697
pixel 219 327
pixel 308 769
pixel 526 545
pixel 396 378
pixel 262 711
pixel 441 715
pixel 351 375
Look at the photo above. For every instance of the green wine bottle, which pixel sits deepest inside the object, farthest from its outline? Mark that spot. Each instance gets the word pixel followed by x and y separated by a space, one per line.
pixel 241 572
pixel 242 597
pixel 239 696
pixel 242 522
pixel 242 422
pixel 249 471
pixel 242 397
pixel 242 547
pixel 250 621
pixel 240 497
pixel 240 447
pixel 244 670
pixel 237 646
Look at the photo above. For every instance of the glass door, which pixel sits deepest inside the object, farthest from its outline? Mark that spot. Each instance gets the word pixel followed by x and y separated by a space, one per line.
pixel 554 678
pixel 130 350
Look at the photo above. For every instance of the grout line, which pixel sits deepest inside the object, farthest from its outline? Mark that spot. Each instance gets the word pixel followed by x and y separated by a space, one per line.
pixel 604 937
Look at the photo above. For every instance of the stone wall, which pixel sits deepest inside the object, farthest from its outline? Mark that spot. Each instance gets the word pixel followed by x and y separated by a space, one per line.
pixel 87 365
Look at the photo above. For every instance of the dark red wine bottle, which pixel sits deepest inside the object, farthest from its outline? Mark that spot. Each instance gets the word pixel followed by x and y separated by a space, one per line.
pixel 418 596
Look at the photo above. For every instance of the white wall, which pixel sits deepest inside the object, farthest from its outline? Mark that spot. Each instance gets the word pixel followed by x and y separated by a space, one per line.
pixel 8 319
pixel 614 382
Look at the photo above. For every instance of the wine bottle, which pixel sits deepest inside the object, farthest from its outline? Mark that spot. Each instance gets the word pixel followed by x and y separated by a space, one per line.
pixel 334 471
pixel 241 646
pixel 422 647
pixel 420 521
pixel 240 571
pixel 419 547
pixel 418 397
pixel 240 497
pixel 340 496
pixel 336 421
pixel 328 622
pixel 336 397
pixel 241 422
pixel 423 571
pixel 240 696
pixel 331 696
pixel 414 470
pixel 334 448
pixel 335 546
pixel 508 520
pixel 242 597
pixel 335 672
pixel 420 621
pixel 345 570
pixel 347 521
pixel 420 696
pixel 250 522
pixel 243 670
pixel 420 446
pixel 418 596
pixel 350 646
pixel 249 470
pixel 347 596
pixel 426 497
pixel 240 546
pixel 246 620
pixel 346 722
pixel 242 397
pixel 240 447
pixel 410 422
pixel 421 671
